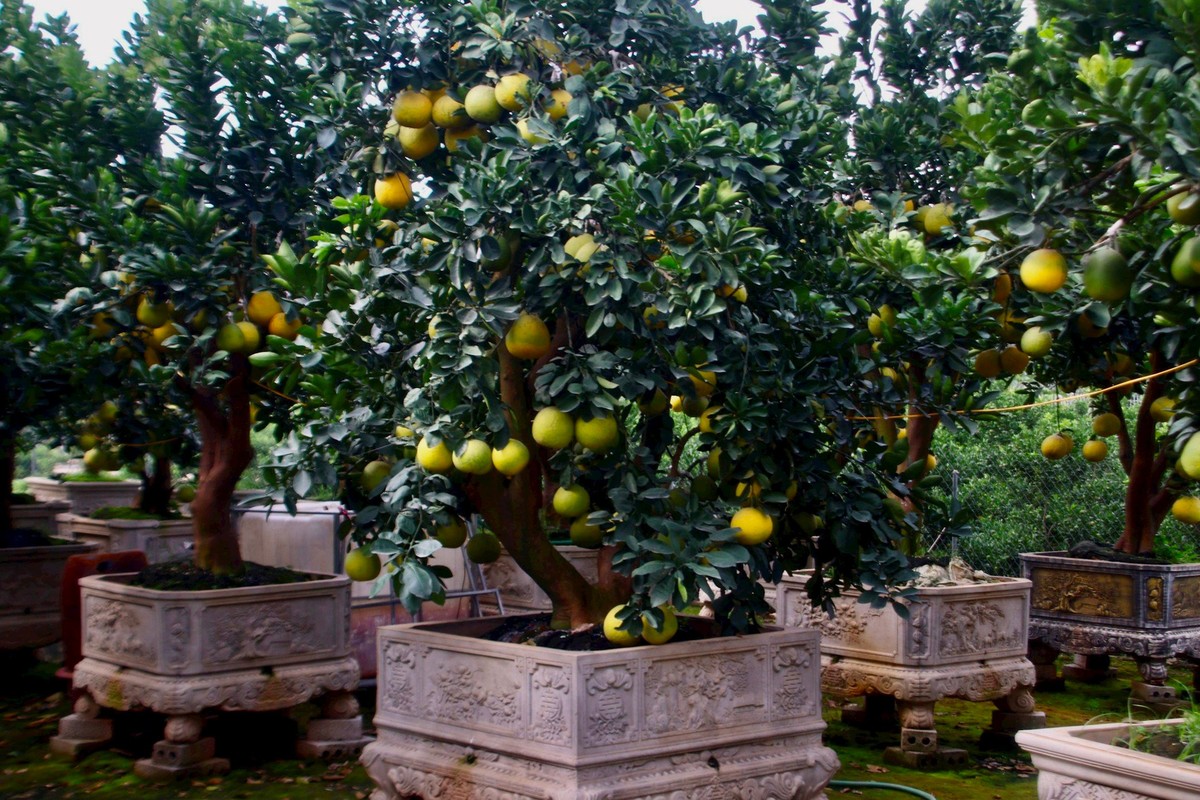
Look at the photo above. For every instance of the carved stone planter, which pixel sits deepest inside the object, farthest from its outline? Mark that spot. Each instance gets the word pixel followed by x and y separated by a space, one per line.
pixel 160 540
pixel 723 717
pixel 518 591
pixel 185 653
pixel 966 641
pixel 1094 608
pixel 30 606
pixel 85 497
pixel 39 516
pixel 1082 763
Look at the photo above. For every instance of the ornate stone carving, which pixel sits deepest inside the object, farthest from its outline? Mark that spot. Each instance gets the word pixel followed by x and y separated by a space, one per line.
pixel 179 632
pixel 113 627
pixel 792 666
pixel 551 689
pixel 693 695
pixel 410 782
pixel 1058 787
pixel 400 673
pixel 609 705
pixel 1154 599
pixel 977 628
pixel 249 632
pixel 460 694
pixel 1185 598
pixel 849 622
pixel 1092 594
pixel 918 630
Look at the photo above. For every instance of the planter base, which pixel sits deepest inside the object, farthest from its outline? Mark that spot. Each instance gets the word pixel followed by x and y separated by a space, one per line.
pixel 412 767
pixel 82 732
pixel 942 758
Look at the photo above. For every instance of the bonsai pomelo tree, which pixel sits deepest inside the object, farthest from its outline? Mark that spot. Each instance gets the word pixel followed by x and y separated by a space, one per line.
pixel 1088 177
pixel 588 295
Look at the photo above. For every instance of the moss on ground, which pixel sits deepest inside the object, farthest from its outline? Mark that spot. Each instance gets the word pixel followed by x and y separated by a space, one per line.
pixel 258 745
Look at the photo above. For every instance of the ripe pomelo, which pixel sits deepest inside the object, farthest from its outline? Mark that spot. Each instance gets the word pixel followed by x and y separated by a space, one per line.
pixel 553 428
pixel 1106 424
pixel 670 627
pixel 373 474
pixel 598 434
pixel 510 459
pixel 1044 271
pixel 434 458
pixel 512 91
pixel 1095 450
pixel 417 143
pixel 528 338
pixel 1057 445
pixel 571 501
pixel 412 109
pixel 1036 342
pixel 754 526
pixel 362 565
pixel 613 632
pixel 481 104
pixel 262 307
pixel 473 457
pixel 394 192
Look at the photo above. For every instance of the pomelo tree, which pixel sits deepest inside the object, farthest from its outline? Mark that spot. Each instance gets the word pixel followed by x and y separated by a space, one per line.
pixel 1088 177
pixel 581 219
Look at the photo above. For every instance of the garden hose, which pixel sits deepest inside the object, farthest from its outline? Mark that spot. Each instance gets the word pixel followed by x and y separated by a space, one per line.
pixel 895 787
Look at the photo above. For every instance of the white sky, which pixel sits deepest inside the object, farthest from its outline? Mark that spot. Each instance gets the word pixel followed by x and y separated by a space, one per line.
pixel 100 23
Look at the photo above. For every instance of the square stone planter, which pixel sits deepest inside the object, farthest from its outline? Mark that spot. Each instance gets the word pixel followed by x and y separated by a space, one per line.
pixel 1091 607
pixel 41 516
pixel 85 497
pixel 30 604
pixel 519 593
pixel 160 540
pixel 184 653
pixel 466 718
pixel 966 641
pixel 1083 763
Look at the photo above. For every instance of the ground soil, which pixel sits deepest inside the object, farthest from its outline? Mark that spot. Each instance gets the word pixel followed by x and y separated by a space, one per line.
pixel 186 576
pixel 537 631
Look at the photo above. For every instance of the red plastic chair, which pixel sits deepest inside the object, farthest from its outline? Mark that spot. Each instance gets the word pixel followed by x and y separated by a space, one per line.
pixel 72 605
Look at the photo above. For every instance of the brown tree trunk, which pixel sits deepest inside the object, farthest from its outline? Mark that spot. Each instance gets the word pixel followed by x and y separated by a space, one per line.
pixel 8 469
pixel 225 452
pixel 1140 527
pixel 156 487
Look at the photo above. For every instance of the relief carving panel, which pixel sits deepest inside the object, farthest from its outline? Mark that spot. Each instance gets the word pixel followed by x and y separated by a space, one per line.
pixel 609 706
pixel 399 679
pixel 792 666
pixel 551 691
pixel 116 628
pixel 249 632
pixel 1087 593
pixel 1185 598
pixel 688 695
pixel 978 627
pixel 469 691
pixel 1059 787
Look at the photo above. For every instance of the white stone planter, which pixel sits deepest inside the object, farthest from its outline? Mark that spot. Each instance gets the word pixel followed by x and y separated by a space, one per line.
pixel 518 591
pixel 85 497
pixel 30 578
pixel 160 540
pixel 963 641
pixel 736 717
pixel 39 516
pixel 181 653
pixel 1082 763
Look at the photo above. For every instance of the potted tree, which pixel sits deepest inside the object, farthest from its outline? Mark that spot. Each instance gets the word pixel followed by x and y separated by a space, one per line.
pixel 1091 210
pixel 563 237
pixel 183 301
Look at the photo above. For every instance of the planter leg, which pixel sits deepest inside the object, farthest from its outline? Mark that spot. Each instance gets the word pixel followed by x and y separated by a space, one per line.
pixel 1152 690
pixel 1045 672
pixel 338 733
pixel 877 713
pixel 1090 669
pixel 182 753
pixel 82 732
pixel 919 739
pixel 1014 712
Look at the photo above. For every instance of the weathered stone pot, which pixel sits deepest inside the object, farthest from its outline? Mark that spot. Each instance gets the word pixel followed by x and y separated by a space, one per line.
pixel 518 592
pixel 85 497
pixel 30 605
pixel 160 540
pixel 966 641
pixel 462 717
pixel 1090 607
pixel 39 516
pixel 1083 763
pixel 185 653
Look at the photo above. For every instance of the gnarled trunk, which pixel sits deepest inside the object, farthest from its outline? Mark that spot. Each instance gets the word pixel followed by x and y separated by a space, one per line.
pixel 156 487
pixel 225 452
pixel 1146 465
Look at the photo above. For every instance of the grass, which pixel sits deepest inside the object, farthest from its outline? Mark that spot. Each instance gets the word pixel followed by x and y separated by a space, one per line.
pixel 34 700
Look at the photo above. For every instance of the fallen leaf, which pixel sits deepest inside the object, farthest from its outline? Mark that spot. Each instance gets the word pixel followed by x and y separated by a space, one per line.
pixel 875 769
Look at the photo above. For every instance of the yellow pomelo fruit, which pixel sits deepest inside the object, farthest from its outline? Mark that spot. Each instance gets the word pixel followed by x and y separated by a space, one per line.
pixel 481 104
pixel 1044 271
pixel 404 432
pixel 449 113
pixel 152 314
pixel 362 565
pixel 571 501
pixel 936 217
pixel 712 465
pixel 417 143
pixel 1184 208
pixel 875 325
pixel 512 91
pixel 1185 266
pixel 1189 459
pixel 560 99
pixel 412 109
pixel 510 459
pixel 1057 445
pixel 705 382
pixel 754 527
pixel 612 631
pixel 394 192
pixel 1095 450
pixel 251 338
pixel 374 474
pixel 987 364
pixel 162 333
pixel 862 205
pixel 185 494
pixel 676 404
pixel 670 627
pixel 280 326
pixel 693 405
pixel 1163 409
pixel 653 404
pixel 230 338
pixel 706 418
pixel 586 535
pixel 581 247
pixel 262 307
pixel 1106 275
pixel 1087 328
pixel 528 338
pixel 473 457
pixel 1187 510
pixel 740 294
pixel 598 434
pixel 1013 360
pixel 1036 342
pixel 436 458
pixel 452 534
pixel 887 314
pixel 1106 424
pixel 1002 288
pixel 95 460
pixel 553 428
pixel 483 548
pixel 453 137
pixel 528 135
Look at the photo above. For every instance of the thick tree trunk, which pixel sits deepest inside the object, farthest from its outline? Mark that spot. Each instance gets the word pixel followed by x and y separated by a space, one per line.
pixel 8 468
pixel 1140 524
pixel 156 487
pixel 225 452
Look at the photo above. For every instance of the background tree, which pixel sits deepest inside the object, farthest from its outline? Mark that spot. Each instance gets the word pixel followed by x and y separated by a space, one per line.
pixel 546 263
pixel 1087 175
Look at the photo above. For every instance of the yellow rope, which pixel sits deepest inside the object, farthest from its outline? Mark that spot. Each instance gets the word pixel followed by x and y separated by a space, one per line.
pixel 1055 401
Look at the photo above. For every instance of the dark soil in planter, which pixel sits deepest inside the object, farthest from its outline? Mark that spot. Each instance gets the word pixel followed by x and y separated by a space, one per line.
pixel 186 576
pixel 23 499
pixel 1098 552
pixel 29 537
pixel 129 513
pixel 537 631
